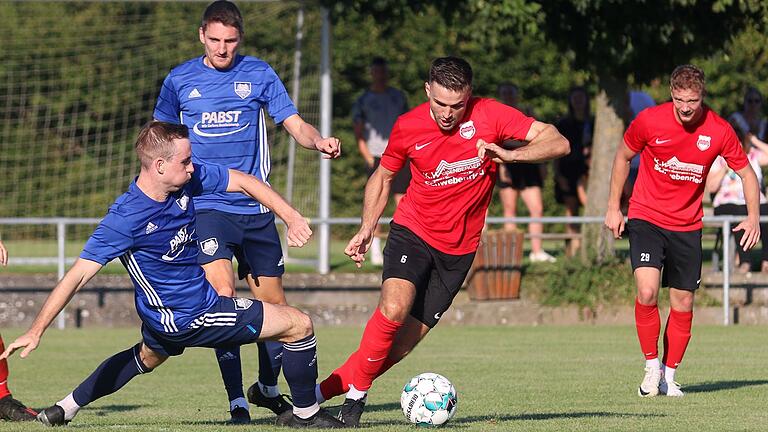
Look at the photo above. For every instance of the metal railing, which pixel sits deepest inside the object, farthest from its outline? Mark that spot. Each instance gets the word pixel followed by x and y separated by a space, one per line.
pixel 725 223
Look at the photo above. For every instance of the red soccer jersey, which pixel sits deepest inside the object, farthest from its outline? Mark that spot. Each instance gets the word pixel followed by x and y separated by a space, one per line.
pixel 674 163
pixel 451 187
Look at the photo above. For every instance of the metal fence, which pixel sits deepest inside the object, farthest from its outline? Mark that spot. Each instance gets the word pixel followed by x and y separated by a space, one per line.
pixel 61 260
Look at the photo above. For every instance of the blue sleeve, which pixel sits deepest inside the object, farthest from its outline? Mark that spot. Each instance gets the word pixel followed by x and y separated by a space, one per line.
pixel 108 241
pixel 167 107
pixel 208 179
pixel 279 103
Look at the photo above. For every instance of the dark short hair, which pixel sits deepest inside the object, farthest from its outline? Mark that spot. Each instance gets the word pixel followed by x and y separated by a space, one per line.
pixel 378 61
pixel 687 77
pixel 507 85
pixel 155 140
pixel 453 73
pixel 224 12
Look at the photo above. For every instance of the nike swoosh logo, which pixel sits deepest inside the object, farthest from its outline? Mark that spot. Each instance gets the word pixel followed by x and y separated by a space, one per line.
pixel 437 316
pixel 419 147
pixel 375 360
pixel 658 141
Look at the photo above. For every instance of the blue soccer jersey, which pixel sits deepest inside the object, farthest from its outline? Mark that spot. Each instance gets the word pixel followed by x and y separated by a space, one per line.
pixel 223 111
pixel 157 244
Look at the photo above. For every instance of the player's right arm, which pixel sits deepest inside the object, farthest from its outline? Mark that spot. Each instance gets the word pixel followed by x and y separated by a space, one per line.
pixel 375 200
pixel 3 254
pixel 614 219
pixel 80 273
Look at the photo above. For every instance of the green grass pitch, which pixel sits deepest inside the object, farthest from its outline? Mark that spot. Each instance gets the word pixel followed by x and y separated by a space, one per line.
pixel 581 378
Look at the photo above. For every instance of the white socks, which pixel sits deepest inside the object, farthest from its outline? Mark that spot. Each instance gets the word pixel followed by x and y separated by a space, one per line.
pixel 669 374
pixel 239 402
pixel 305 413
pixel 70 407
pixel 355 394
pixel 319 394
pixel 653 363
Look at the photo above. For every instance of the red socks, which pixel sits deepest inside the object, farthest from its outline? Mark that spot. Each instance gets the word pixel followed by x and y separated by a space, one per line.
pixel 3 373
pixel 676 337
pixel 339 380
pixel 648 326
pixel 374 349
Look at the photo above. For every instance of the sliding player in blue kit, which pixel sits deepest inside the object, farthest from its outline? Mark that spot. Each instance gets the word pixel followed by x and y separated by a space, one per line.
pixel 151 228
pixel 221 97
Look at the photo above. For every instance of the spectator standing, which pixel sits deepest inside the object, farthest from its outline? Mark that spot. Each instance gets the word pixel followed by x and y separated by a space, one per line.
pixel 373 115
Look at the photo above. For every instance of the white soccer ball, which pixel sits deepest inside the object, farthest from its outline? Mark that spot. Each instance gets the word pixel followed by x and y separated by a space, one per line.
pixel 429 399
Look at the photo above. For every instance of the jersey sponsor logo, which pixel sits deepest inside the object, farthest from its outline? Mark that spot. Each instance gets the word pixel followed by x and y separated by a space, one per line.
pixel 467 130
pixel 178 243
pixel 681 171
pixel 421 146
pixel 242 303
pixel 183 202
pixel 660 141
pixel 448 173
pixel 242 89
pixel 703 142
pixel 219 119
pixel 150 228
pixel 195 93
pixel 209 246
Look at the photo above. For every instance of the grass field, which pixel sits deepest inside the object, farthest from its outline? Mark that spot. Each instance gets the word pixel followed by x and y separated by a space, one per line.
pixel 508 378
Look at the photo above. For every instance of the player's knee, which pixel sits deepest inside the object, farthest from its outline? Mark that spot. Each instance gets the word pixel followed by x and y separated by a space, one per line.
pixel 393 310
pixel 147 359
pixel 646 296
pixel 302 325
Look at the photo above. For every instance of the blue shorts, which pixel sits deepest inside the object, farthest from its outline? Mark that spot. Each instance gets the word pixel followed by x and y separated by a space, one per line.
pixel 232 321
pixel 252 239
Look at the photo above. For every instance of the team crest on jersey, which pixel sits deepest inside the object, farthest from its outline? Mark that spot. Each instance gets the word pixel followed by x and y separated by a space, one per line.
pixel 242 303
pixel 209 246
pixel 703 142
pixel 467 130
pixel 242 89
pixel 183 202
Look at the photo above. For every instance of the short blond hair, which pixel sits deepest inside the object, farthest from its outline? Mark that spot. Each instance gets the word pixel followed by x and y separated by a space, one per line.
pixel 155 140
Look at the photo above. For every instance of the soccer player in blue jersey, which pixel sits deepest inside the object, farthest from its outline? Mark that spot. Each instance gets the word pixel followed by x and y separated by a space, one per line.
pixel 151 228
pixel 221 97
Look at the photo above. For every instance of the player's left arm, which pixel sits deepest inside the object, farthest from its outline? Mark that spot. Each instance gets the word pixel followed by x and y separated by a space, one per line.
pixel 308 137
pixel 751 225
pixel 298 229
pixel 545 143
pixel 3 254
pixel 81 272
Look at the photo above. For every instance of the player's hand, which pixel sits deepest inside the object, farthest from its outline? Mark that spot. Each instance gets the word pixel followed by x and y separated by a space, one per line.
pixel 3 255
pixel 751 233
pixel 614 221
pixel 490 150
pixel 330 147
pixel 358 246
pixel 298 232
pixel 27 341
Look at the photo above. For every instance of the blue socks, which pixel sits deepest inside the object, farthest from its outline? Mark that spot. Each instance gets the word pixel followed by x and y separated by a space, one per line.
pixel 231 371
pixel 270 361
pixel 110 376
pixel 300 370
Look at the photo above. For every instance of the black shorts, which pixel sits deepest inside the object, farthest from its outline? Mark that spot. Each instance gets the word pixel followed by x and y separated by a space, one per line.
pixel 521 176
pixel 252 239
pixel 678 253
pixel 437 276
pixel 402 178
pixel 231 322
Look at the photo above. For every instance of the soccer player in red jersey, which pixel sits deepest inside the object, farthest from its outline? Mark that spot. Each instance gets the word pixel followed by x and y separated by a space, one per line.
pixel 677 141
pixel 10 408
pixel 451 142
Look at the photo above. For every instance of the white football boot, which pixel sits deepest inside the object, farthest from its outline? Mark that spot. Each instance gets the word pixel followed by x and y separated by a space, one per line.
pixel 650 385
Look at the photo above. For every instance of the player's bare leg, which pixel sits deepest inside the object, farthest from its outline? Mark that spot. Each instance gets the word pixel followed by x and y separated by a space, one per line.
pixel 265 392
pixel 220 275
pixel 534 202
pixel 648 326
pixel 508 198
pixel 676 338
pixel 572 209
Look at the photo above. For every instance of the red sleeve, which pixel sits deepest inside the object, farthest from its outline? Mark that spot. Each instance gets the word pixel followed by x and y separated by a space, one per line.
pixel 395 154
pixel 732 151
pixel 508 122
pixel 635 136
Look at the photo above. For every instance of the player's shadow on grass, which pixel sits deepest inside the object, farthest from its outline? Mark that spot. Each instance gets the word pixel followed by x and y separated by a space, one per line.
pixel 549 416
pixel 714 386
pixel 111 409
